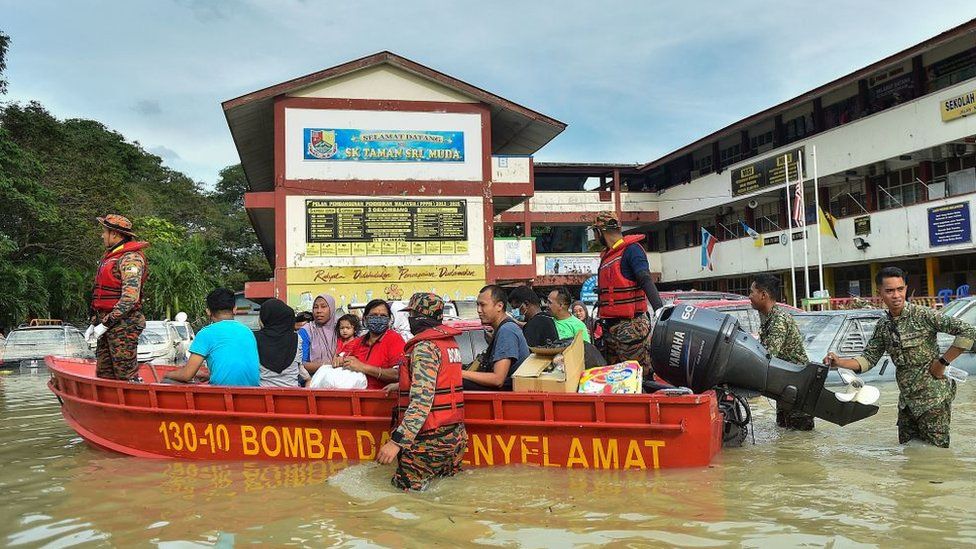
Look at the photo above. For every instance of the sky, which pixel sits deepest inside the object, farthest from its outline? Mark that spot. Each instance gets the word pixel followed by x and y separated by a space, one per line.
pixel 633 80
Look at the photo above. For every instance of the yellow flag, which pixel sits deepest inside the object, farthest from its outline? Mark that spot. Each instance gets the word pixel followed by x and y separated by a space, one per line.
pixel 827 224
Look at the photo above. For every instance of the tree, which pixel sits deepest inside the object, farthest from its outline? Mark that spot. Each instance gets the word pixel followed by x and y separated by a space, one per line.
pixel 4 45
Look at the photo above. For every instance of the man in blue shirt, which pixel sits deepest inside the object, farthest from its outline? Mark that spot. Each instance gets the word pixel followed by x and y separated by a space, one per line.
pixel 227 346
pixel 507 349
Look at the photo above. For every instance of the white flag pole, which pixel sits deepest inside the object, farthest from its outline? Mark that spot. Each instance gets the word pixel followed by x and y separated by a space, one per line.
pixel 816 198
pixel 789 225
pixel 803 216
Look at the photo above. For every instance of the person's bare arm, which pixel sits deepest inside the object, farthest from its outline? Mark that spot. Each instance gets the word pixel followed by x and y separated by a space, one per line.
pixel 494 378
pixel 188 371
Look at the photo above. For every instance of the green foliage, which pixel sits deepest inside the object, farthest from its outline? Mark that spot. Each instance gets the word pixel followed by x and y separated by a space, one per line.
pixel 57 176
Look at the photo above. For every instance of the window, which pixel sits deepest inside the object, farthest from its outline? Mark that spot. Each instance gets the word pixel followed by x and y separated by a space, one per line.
pixel 757 141
pixel 739 285
pixel 841 112
pixel 730 226
pixel 730 155
pixel 796 128
pixel 899 189
pixel 768 218
pixel 704 164
pixel 847 199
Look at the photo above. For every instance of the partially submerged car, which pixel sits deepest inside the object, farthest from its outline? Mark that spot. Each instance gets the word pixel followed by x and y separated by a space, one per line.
pixel 27 345
pixel 965 309
pixel 160 343
pixel 846 333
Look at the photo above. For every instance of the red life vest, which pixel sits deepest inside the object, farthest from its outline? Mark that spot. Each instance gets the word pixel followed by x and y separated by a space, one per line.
pixel 108 279
pixel 618 296
pixel 448 405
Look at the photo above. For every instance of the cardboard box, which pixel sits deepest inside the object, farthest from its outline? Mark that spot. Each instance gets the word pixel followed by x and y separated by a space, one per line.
pixel 530 376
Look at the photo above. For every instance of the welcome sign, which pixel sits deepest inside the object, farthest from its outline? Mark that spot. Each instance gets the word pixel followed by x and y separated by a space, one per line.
pixel 345 144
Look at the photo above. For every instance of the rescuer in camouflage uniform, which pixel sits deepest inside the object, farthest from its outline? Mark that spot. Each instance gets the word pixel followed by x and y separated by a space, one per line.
pixel 117 320
pixel 908 334
pixel 624 289
pixel 430 439
pixel 780 335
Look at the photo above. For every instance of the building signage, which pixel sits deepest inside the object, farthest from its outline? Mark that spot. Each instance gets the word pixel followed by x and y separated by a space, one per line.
pixel 950 224
pixel 571 265
pixel 862 225
pixel 383 145
pixel 774 240
pixel 351 285
pixel 958 106
pixel 800 235
pixel 768 172
pixel 588 291
pixel 385 227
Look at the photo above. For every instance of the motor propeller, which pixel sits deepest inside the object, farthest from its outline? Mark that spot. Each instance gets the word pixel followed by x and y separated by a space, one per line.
pixel 856 390
pixel 702 349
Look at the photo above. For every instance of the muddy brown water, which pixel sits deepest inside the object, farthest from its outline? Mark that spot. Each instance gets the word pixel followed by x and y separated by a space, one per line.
pixel 840 487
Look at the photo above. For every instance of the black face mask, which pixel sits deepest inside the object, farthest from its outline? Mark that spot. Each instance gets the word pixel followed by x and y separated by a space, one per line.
pixel 420 323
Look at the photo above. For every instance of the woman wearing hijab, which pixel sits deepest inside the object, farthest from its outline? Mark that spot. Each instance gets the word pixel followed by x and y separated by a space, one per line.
pixel 581 312
pixel 320 334
pixel 278 348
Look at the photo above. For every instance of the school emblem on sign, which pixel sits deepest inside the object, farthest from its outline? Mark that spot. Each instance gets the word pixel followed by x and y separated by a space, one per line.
pixel 322 143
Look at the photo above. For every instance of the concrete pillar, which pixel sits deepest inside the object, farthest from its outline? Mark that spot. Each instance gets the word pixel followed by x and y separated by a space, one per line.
pixel 874 273
pixel 931 272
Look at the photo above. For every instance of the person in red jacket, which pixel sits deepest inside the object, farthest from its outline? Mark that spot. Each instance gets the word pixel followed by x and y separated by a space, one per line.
pixel 116 316
pixel 429 440
pixel 624 288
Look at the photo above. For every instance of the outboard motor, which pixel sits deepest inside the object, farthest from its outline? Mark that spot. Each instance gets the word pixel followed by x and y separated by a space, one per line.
pixel 701 349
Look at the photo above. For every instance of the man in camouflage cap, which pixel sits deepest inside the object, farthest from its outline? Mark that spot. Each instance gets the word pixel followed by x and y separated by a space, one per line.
pixel 908 334
pixel 429 440
pixel 780 335
pixel 116 317
pixel 624 288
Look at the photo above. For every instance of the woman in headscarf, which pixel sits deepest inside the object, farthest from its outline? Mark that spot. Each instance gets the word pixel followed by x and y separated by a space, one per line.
pixel 320 334
pixel 581 312
pixel 278 349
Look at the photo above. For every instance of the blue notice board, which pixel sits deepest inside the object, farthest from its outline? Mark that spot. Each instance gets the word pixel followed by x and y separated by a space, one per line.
pixel 950 224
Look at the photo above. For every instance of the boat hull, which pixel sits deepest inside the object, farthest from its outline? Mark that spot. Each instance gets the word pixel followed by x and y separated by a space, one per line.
pixel 203 422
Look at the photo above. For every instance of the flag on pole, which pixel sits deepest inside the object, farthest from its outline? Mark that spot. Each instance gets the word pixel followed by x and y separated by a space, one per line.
pixel 707 247
pixel 799 210
pixel 828 224
pixel 756 237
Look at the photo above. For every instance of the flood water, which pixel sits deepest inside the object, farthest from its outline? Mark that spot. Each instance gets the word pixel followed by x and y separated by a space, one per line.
pixel 839 487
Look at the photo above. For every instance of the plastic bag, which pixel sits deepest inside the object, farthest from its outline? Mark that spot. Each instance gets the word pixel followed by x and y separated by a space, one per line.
pixel 623 378
pixel 327 377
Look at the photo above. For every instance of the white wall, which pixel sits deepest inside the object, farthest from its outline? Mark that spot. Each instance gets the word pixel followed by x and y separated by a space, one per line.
pixel 383 82
pixel 566 201
pixel 296 167
pixel 296 237
pixel 895 233
pixel 900 130
pixel 511 169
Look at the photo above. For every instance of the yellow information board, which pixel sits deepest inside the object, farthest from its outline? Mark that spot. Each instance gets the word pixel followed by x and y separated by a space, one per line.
pixel 349 285
pixel 958 106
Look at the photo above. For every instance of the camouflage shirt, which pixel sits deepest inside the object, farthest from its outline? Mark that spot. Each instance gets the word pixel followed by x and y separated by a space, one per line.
pixel 425 361
pixel 780 335
pixel 129 270
pixel 910 340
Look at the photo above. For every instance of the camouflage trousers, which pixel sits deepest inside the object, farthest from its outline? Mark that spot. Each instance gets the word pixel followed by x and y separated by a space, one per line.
pixel 435 454
pixel 793 419
pixel 627 340
pixel 932 425
pixel 116 350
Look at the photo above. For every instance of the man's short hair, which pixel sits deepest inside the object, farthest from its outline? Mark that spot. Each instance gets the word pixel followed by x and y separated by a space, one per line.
pixel 221 300
pixel 769 284
pixel 523 295
pixel 889 272
pixel 563 296
pixel 497 293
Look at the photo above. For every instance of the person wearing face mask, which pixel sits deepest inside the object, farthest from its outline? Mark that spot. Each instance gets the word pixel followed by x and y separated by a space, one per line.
pixel 624 288
pixel 538 326
pixel 429 439
pixel 379 352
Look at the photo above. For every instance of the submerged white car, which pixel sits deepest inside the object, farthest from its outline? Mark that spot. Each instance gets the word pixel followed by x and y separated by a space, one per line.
pixel 160 343
pixel 965 309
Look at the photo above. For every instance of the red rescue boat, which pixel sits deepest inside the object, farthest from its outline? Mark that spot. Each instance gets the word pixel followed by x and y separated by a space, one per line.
pixel 156 420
